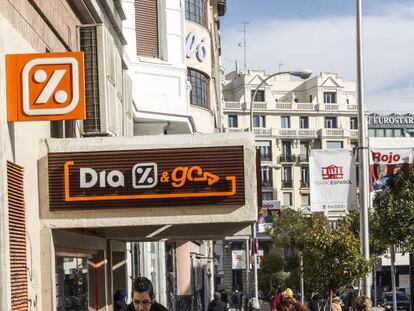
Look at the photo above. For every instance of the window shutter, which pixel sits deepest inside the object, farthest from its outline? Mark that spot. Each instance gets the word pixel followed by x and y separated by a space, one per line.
pixel 17 236
pixel 146 28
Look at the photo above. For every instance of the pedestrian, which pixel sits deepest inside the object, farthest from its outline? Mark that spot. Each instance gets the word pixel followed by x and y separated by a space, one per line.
pixel 278 297
pixel 216 304
pixel 287 304
pixel 363 303
pixel 119 300
pixel 315 303
pixel 143 296
pixel 336 304
pixel 350 297
pixel 237 300
pixel 253 305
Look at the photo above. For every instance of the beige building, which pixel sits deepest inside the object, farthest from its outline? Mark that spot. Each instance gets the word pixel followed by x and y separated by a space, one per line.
pixel 290 118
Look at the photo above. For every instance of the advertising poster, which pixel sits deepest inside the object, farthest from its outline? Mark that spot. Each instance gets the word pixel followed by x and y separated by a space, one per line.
pixel 238 259
pixel 332 180
pixel 385 163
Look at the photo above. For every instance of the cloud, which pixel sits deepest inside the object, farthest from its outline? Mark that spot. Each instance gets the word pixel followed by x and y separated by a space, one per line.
pixel 328 44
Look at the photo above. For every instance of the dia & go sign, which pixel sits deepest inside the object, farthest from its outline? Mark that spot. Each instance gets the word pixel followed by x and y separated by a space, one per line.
pixel 139 178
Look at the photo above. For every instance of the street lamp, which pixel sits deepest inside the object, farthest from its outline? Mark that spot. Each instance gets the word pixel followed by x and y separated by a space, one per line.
pixel 303 74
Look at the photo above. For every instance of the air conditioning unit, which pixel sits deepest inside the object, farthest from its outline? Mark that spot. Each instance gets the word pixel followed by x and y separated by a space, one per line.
pixel 104 83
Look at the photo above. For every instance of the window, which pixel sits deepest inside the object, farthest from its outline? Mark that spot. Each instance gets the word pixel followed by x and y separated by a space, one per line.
pixel 260 96
pixel 287 177
pixel 329 97
pixel 266 177
pixel 305 199
pixel 146 28
pixel 199 88
pixel 331 123
pixel 265 148
pixel 334 144
pixel 353 123
pixel 304 122
pixel 259 121
pixel 285 121
pixel 286 151
pixel 304 175
pixel 267 196
pixel 233 121
pixel 195 10
pixel 287 199
pixel 304 151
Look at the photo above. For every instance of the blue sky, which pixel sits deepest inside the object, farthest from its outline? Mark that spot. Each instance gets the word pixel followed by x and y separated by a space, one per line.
pixel 320 35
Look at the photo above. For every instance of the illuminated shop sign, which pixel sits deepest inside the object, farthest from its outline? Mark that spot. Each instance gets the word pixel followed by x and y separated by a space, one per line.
pixel 137 178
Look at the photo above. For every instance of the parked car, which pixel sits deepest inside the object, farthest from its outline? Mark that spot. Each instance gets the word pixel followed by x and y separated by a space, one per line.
pixel 403 301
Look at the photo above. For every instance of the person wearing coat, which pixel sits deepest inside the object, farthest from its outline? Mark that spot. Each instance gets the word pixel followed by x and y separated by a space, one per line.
pixel 216 304
pixel 336 304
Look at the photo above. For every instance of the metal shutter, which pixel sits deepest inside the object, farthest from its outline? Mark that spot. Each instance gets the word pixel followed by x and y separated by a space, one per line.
pixel 146 28
pixel 17 236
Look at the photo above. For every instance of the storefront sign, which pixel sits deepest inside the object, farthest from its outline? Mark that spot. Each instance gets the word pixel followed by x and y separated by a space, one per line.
pixel 332 180
pixel 238 259
pixel 48 86
pixel 136 178
pixel 384 163
pixel 391 121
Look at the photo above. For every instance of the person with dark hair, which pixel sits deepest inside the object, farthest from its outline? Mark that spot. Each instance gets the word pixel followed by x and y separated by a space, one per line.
pixel 287 304
pixel 216 304
pixel 349 301
pixel 315 303
pixel 119 300
pixel 143 296
pixel 277 298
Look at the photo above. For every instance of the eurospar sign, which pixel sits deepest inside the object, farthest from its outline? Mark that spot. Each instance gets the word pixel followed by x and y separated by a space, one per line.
pixel 45 86
pixel 385 163
pixel 332 180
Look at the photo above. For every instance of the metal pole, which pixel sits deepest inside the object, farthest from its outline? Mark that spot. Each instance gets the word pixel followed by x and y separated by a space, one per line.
pixel 363 149
pixel 247 264
pixel 302 285
pixel 256 281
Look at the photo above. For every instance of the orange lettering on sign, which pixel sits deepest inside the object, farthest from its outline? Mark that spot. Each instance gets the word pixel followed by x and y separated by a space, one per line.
pixel 209 177
pixel 45 86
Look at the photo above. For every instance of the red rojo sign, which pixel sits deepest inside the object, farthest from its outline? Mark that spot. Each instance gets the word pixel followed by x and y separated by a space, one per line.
pixel 384 163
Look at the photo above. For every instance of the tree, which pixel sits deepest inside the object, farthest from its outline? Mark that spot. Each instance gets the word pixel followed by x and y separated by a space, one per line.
pixel 394 207
pixel 331 255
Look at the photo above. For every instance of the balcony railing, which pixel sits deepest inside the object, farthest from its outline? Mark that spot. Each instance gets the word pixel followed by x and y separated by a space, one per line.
pixel 288 133
pixel 259 106
pixel 262 131
pixel 331 133
pixel 287 158
pixel 232 105
pixel 304 157
pixel 234 130
pixel 353 133
pixel 284 106
pixel 352 107
pixel 304 183
pixel 265 157
pixel 267 183
pixel 306 133
pixel 287 183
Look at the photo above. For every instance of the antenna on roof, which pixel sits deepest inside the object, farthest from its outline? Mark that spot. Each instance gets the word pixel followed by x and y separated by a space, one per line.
pixel 244 44
pixel 237 68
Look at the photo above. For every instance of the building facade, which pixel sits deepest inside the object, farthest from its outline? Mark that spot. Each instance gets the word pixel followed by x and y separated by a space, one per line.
pixel 59 252
pixel 291 117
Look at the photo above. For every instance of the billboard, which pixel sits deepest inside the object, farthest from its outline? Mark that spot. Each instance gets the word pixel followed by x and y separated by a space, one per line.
pixel 385 163
pixel 332 180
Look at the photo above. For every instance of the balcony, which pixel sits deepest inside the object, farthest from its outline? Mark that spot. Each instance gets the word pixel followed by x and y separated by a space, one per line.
pixel 353 133
pixel 306 133
pixel 266 157
pixel 233 105
pixel 336 107
pixel 267 183
pixel 287 183
pixel 304 183
pixel 234 130
pixel 352 107
pixel 288 133
pixel 262 131
pixel 337 133
pixel 287 158
pixel 259 106
pixel 304 157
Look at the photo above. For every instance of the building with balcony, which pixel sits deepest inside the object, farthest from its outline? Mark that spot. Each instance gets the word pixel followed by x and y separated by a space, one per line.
pixel 290 118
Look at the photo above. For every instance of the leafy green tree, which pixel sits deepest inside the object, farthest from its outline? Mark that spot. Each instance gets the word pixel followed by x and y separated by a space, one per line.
pixel 377 245
pixel 394 207
pixel 331 255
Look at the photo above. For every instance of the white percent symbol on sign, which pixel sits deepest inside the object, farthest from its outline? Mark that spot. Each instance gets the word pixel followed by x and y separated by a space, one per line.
pixel 40 76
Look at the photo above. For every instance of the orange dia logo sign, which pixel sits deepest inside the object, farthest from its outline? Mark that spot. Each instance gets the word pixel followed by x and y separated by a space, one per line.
pixel 48 86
